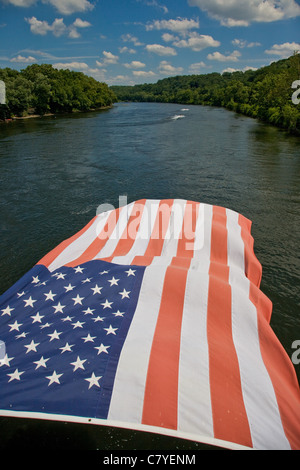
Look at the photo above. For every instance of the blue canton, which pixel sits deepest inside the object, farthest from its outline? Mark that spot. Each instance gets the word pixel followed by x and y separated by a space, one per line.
pixel 63 334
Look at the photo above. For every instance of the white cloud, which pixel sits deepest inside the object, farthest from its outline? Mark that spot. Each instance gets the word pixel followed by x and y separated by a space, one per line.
pixel 197 67
pixel 20 3
pixel 142 73
pixel 233 57
pixel 180 25
pixel 241 43
pixel 110 58
pixel 71 65
pixel 67 7
pixel 244 12
pixel 23 60
pixel 131 38
pixel 167 37
pixel 154 3
pixel 127 50
pixel 161 50
pixel 57 28
pixel 135 64
pixel 284 50
pixel 245 69
pixel 197 42
pixel 166 68
pixel 78 23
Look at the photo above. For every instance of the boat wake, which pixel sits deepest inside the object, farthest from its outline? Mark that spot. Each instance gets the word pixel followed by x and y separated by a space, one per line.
pixel 177 116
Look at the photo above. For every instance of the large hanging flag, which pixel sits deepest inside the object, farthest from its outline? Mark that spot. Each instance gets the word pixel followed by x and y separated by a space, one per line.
pixel 151 318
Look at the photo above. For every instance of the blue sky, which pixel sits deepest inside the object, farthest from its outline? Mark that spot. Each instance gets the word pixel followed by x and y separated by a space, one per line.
pixel 141 41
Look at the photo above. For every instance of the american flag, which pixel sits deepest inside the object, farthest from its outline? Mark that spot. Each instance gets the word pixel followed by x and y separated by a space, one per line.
pixel 151 318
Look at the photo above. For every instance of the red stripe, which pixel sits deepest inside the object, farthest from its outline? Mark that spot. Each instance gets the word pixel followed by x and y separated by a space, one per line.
pixel 280 369
pixel 185 247
pixel 161 391
pixel 53 254
pixel 253 268
pixel 98 244
pixel 229 414
pixel 158 234
pixel 130 232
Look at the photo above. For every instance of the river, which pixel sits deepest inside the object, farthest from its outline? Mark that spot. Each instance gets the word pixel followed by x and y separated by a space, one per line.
pixel 56 171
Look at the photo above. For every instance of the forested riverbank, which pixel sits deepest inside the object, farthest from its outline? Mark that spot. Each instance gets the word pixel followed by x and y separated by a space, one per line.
pixel 265 94
pixel 42 89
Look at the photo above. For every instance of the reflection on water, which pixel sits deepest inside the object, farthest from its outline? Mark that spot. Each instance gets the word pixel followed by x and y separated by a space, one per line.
pixel 56 171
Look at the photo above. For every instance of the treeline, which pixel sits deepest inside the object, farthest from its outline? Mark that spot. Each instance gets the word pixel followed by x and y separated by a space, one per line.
pixel 265 94
pixel 41 89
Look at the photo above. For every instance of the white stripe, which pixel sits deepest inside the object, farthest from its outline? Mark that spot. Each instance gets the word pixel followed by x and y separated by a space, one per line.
pixel 117 233
pixel 141 242
pixel 174 228
pixel 258 392
pixel 78 247
pixel 201 259
pixel 129 386
pixel 194 400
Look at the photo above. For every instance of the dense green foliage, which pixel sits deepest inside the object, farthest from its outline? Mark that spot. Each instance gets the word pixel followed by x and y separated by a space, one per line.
pixel 41 89
pixel 265 94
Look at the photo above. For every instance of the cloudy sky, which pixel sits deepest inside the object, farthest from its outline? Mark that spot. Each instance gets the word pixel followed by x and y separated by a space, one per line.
pixel 137 41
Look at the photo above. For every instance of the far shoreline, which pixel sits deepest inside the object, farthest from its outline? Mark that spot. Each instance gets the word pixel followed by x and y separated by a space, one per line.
pixel 66 113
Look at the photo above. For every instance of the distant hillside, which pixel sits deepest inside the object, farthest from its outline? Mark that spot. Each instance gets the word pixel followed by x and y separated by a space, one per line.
pixel 41 89
pixel 265 93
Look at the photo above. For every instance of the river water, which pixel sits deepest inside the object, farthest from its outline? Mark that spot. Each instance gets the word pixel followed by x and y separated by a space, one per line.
pixel 56 171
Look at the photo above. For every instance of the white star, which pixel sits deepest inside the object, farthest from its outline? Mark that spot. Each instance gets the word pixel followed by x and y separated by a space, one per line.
pixel 78 269
pixel 60 276
pixel 22 335
pixel 102 348
pixel 15 326
pixel 113 281
pixel 29 302
pixel 50 296
pixel 67 318
pixel 125 293
pixel 89 311
pixel 78 364
pixel 88 338
pixel 93 380
pixel 37 318
pixel 119 314
pixel 15 375
pixel 104 272
pixel 31 347
pixel 107 304
pixel 86 280
pixel 110 330
pixel 7 310
pixel 45 326
pixel 20 294
pixel 35 280
pixel 6 361
pixel 41 362
pixel 78 324
pixel 98 319
pixel 67 347
pixel 130 272
pixel 69 287
pixel 58 307
pixel 54 378
pixel 55 335
pixel 77 299
pixel 96 289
